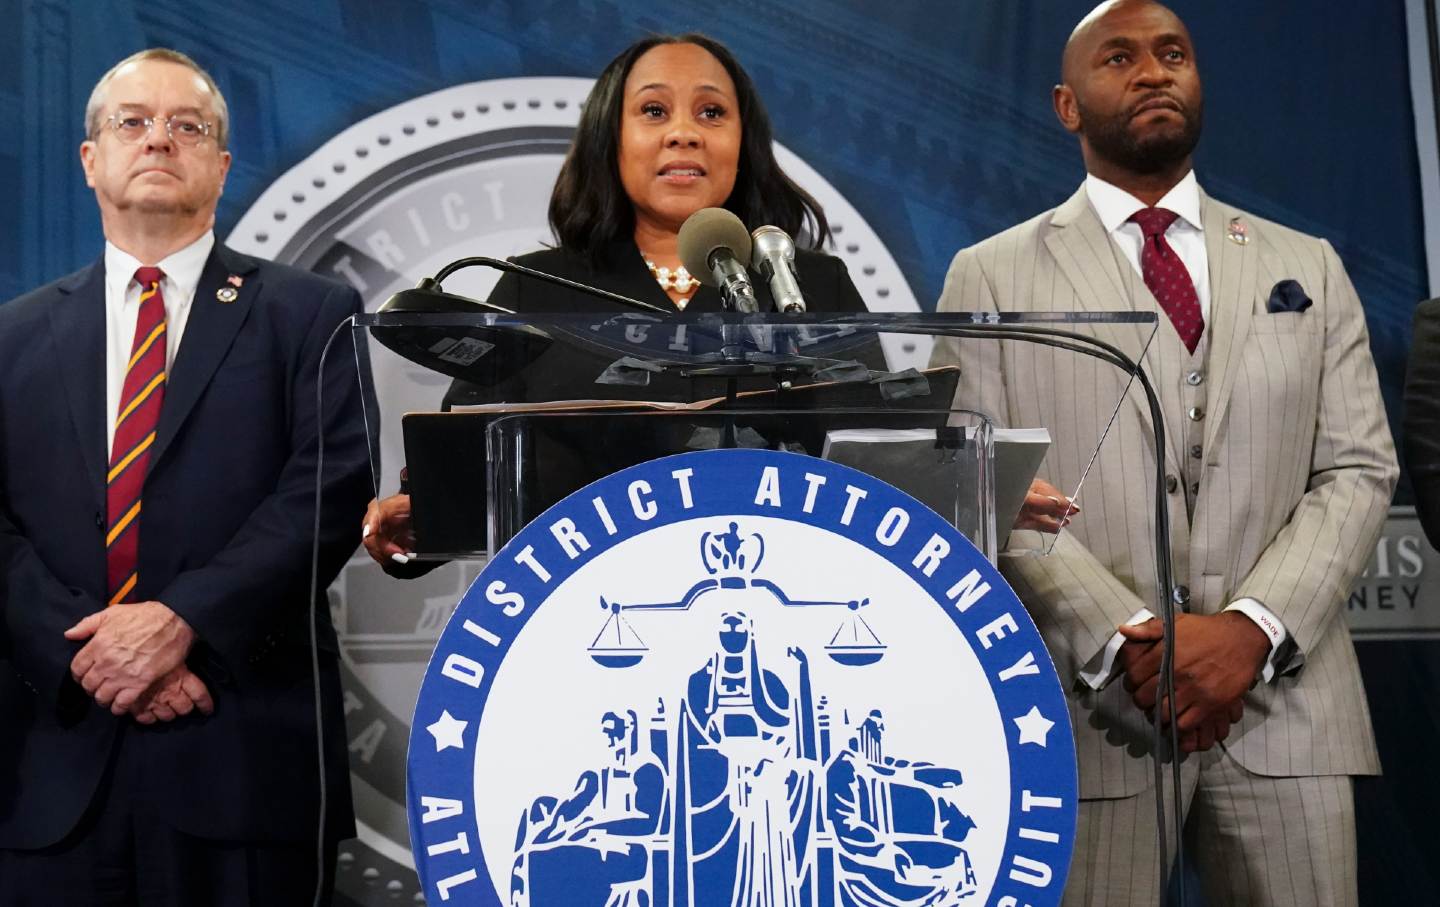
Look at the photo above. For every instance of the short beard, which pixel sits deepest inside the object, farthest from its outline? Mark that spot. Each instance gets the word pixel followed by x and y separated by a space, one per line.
pixel 1111 139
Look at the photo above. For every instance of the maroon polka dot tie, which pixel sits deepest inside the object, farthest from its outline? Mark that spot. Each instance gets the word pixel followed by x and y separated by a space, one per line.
pixel 1166 276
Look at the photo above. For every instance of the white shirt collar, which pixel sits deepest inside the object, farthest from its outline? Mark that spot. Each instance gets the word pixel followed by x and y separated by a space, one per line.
pixel 182 268
pixel 1115 206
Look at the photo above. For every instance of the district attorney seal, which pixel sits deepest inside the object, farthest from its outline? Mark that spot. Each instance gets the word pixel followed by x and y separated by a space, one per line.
pixel 741 677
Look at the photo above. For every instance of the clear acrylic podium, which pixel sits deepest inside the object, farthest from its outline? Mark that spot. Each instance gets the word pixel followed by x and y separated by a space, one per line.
pixel 496 417
pixel 513 402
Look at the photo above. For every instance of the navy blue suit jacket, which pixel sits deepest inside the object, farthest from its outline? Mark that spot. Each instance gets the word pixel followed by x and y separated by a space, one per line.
pixel 225 541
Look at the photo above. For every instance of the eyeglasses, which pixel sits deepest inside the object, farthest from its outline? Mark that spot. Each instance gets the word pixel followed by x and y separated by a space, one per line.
pixel 183 129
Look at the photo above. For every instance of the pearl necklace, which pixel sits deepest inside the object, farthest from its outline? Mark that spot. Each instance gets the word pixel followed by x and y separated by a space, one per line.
pixel 679 279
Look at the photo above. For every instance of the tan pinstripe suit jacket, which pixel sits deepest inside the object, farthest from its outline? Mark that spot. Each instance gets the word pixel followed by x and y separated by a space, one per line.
pixel 1282 484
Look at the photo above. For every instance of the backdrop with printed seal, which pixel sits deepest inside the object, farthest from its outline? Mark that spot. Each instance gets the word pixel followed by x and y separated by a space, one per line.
pixel 923 127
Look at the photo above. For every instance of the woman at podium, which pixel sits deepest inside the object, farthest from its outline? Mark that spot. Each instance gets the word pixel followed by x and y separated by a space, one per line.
pixel 672 125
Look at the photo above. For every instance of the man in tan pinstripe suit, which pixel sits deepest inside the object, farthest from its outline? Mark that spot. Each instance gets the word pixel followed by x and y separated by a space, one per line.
pixel 1279 472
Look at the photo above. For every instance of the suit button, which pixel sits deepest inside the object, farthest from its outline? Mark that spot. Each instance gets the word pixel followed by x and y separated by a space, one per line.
pixel 1194 489
pixel 99 520
pixel 1195 379
pixel 1196 451
pixel 1171 484
pixel 1196 413
pixel 1181 595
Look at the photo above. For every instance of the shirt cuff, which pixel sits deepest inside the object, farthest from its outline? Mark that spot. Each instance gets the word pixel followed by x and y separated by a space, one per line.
pixel 1264 619
pixel 1098 669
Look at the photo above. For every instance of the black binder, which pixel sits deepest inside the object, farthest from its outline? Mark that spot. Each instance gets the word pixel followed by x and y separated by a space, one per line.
pixel 566 449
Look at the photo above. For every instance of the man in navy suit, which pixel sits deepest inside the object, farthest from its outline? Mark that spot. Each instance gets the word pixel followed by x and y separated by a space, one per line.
pixel 161 420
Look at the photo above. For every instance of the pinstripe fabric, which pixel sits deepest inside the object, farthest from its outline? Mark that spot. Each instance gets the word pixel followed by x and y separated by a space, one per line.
pixel 1116 861
pixel 1256 841
pixel 135 422
pixel 1307 829
pixel 1291 484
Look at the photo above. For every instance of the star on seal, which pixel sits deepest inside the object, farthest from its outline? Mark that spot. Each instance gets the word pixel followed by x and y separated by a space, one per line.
pixel 1033 726
pixel 447 731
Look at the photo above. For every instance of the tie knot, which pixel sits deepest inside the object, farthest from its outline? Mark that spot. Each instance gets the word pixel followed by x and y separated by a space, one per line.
pixel 149 276
pixel 1154 221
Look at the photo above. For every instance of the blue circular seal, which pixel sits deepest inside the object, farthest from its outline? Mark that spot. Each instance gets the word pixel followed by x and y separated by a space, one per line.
pixel 741 677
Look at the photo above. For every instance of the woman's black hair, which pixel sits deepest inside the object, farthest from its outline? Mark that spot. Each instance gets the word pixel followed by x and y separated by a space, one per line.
pixel 589 209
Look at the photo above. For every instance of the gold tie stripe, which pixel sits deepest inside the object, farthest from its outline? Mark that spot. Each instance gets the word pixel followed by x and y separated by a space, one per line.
pixel 138 416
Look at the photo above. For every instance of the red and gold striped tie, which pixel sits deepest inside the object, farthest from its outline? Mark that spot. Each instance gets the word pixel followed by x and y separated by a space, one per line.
pixel 139 413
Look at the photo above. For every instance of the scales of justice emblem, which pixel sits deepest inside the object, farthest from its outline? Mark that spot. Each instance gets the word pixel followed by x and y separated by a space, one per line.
pixel 761 789
pixel 772 713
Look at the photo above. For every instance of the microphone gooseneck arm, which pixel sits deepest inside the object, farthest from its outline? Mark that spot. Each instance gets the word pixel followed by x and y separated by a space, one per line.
pixel 500 264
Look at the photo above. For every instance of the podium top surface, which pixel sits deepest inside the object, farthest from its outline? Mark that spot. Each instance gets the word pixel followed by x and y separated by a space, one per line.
pixel 613 348
pixel 900 322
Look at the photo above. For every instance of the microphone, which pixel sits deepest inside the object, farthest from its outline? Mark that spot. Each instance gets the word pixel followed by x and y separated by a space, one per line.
pixel 775 260
pixel 714 244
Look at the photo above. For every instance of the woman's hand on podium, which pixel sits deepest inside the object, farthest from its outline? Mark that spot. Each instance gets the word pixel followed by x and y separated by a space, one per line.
pixel 1045 508
pixel 387 533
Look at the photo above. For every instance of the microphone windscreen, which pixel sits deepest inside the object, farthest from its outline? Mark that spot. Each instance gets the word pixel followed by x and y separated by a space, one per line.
pixel 707 230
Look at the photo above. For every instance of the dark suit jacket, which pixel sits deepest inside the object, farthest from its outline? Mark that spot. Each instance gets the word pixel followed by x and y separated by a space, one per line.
pixel 1422 417
pixel 225 541
pixel 565 373
pixel 621 269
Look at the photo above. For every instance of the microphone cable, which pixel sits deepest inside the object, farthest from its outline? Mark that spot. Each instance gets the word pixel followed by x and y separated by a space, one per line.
pixel 1164 564
pixel 320 856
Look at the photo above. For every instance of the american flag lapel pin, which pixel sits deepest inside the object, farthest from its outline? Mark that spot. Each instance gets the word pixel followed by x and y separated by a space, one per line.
pixel 1237 232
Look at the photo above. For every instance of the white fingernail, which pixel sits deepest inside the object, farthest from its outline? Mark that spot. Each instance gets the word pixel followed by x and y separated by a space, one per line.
pixel 400 558
pixel 365 531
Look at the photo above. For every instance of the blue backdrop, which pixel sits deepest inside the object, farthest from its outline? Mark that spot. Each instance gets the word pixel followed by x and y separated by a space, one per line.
pixel 932 118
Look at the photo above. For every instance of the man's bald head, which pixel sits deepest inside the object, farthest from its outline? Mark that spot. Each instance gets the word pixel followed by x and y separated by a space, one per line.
pixel 1084 36
pixel 1131 92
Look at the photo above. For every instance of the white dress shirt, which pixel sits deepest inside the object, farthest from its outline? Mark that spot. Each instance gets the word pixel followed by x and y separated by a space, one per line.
pixel 1186 236
pixel 1114 206
pixel 122 309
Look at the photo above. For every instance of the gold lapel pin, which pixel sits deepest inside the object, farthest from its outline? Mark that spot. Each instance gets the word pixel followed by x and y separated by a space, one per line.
pixel 232 292
pixel 1237 232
